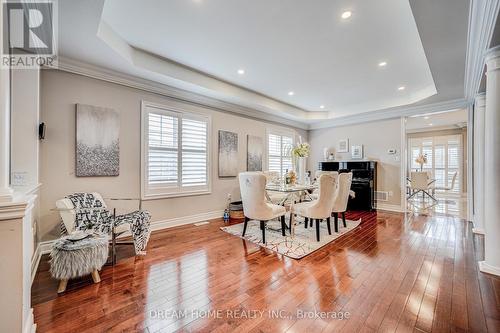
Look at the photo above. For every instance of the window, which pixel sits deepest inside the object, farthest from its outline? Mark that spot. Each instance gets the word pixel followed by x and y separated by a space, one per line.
pixel 175 154
pixel 444 158
pixel 279 158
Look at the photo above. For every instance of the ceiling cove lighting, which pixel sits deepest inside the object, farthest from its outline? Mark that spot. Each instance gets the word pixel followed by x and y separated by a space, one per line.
pixel 346 15
pixel 401 88
pixel 382 64
pixel 241 71
pixel 291 93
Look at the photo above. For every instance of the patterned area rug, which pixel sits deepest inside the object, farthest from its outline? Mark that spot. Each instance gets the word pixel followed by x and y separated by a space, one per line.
pixel 304 242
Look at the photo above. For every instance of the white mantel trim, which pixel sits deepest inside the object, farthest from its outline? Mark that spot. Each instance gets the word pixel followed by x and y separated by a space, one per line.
pixel 14 209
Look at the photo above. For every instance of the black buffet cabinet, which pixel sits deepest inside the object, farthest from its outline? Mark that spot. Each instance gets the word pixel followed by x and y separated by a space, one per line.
pixel 364 181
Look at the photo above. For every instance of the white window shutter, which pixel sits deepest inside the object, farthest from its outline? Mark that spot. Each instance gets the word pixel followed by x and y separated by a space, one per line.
pixel 163 154
pixel 194 152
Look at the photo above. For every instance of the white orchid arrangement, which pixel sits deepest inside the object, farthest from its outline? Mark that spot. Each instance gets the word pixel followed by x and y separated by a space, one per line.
pixel 301 150
pixel 421 159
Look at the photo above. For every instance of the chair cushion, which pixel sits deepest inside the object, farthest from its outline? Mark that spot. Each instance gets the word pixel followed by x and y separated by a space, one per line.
pixel 303 209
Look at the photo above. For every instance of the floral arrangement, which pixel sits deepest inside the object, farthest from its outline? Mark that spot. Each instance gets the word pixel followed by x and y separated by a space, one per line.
pixel 421 159
pixel 291 178
pixel 301 150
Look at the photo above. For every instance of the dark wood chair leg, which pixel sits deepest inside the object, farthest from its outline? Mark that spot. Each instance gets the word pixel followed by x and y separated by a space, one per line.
pixel 328 225
pixel 306 222
pixel 312 221
pixel 336 221
pixel 263 228
pixel 283 226
pixel 317 229
pixel 245 226
pixel 343 220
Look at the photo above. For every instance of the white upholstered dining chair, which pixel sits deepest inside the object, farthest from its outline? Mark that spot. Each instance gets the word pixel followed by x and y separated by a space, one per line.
pixel 419 183
pixel 341 198
pixel 314 195
pixel 320 209
pixel 255 205
pixel 435 188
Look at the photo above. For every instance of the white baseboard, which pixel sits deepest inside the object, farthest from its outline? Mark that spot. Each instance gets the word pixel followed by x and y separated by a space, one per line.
pixel 485 268
pixel 479 231
pixel 45 247
pixel 35 260
pixel 178 221
pixel 29 324
pixel 389 208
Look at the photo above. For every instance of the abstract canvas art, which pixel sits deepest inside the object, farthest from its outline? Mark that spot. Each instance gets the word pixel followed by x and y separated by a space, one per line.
pixel 228 154
pixel 97 141
pixel 255 148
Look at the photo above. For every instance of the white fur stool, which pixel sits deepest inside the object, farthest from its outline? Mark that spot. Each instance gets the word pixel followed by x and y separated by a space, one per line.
pixel 77 255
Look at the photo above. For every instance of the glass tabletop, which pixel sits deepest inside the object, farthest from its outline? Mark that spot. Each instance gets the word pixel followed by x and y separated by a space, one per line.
pixel 290 188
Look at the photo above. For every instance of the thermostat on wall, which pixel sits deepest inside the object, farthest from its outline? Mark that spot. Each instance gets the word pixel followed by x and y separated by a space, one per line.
pixel 391 151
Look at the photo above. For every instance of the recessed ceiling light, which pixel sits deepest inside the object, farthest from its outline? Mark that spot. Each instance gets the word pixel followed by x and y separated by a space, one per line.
pixel 426 117
pixel 382 64
pixel 291 93
pixel 241 71
pixel 402 88
pixel 321 106
pixel 346 15
pixel 430 124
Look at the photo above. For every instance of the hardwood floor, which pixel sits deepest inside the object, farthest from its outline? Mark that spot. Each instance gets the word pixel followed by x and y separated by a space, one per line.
pixel 390 274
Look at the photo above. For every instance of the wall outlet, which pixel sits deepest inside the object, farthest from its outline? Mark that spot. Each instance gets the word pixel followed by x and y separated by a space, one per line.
pixel 229 196
pixel 391 193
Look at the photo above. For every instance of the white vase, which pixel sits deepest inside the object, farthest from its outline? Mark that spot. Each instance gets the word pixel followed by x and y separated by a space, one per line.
pixel 301 170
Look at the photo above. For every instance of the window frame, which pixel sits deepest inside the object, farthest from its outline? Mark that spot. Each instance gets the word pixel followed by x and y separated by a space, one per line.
pixel 180 110
pixel 440 140
pixel 279 132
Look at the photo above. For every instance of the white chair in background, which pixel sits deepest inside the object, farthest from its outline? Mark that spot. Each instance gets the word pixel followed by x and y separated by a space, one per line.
pixel 445 188
pixel 341 198
pixel 320 209
pixel 419 183
pixel 255 205
pixel 273 177
pixel 314 195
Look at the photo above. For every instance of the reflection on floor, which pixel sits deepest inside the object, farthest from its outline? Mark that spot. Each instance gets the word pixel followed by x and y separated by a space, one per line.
pixel 390 274
pixel 451 205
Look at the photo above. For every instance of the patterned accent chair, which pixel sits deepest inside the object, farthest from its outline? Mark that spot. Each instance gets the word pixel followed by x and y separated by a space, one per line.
pixel 88 211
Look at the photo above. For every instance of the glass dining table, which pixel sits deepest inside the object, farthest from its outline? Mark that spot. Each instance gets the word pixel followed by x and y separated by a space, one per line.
pixel 292 194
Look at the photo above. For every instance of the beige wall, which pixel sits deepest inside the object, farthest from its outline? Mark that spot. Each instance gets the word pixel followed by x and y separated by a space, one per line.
pixel 377 138
pixel 60 91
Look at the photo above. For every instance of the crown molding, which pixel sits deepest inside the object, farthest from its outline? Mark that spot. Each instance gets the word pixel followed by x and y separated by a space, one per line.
pixel 482 19
pixel 104 74
pixel 392 113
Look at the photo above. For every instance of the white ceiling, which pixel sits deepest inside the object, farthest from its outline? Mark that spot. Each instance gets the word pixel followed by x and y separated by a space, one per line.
pixel 283 45
pixel 437 121
pixel 288 46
